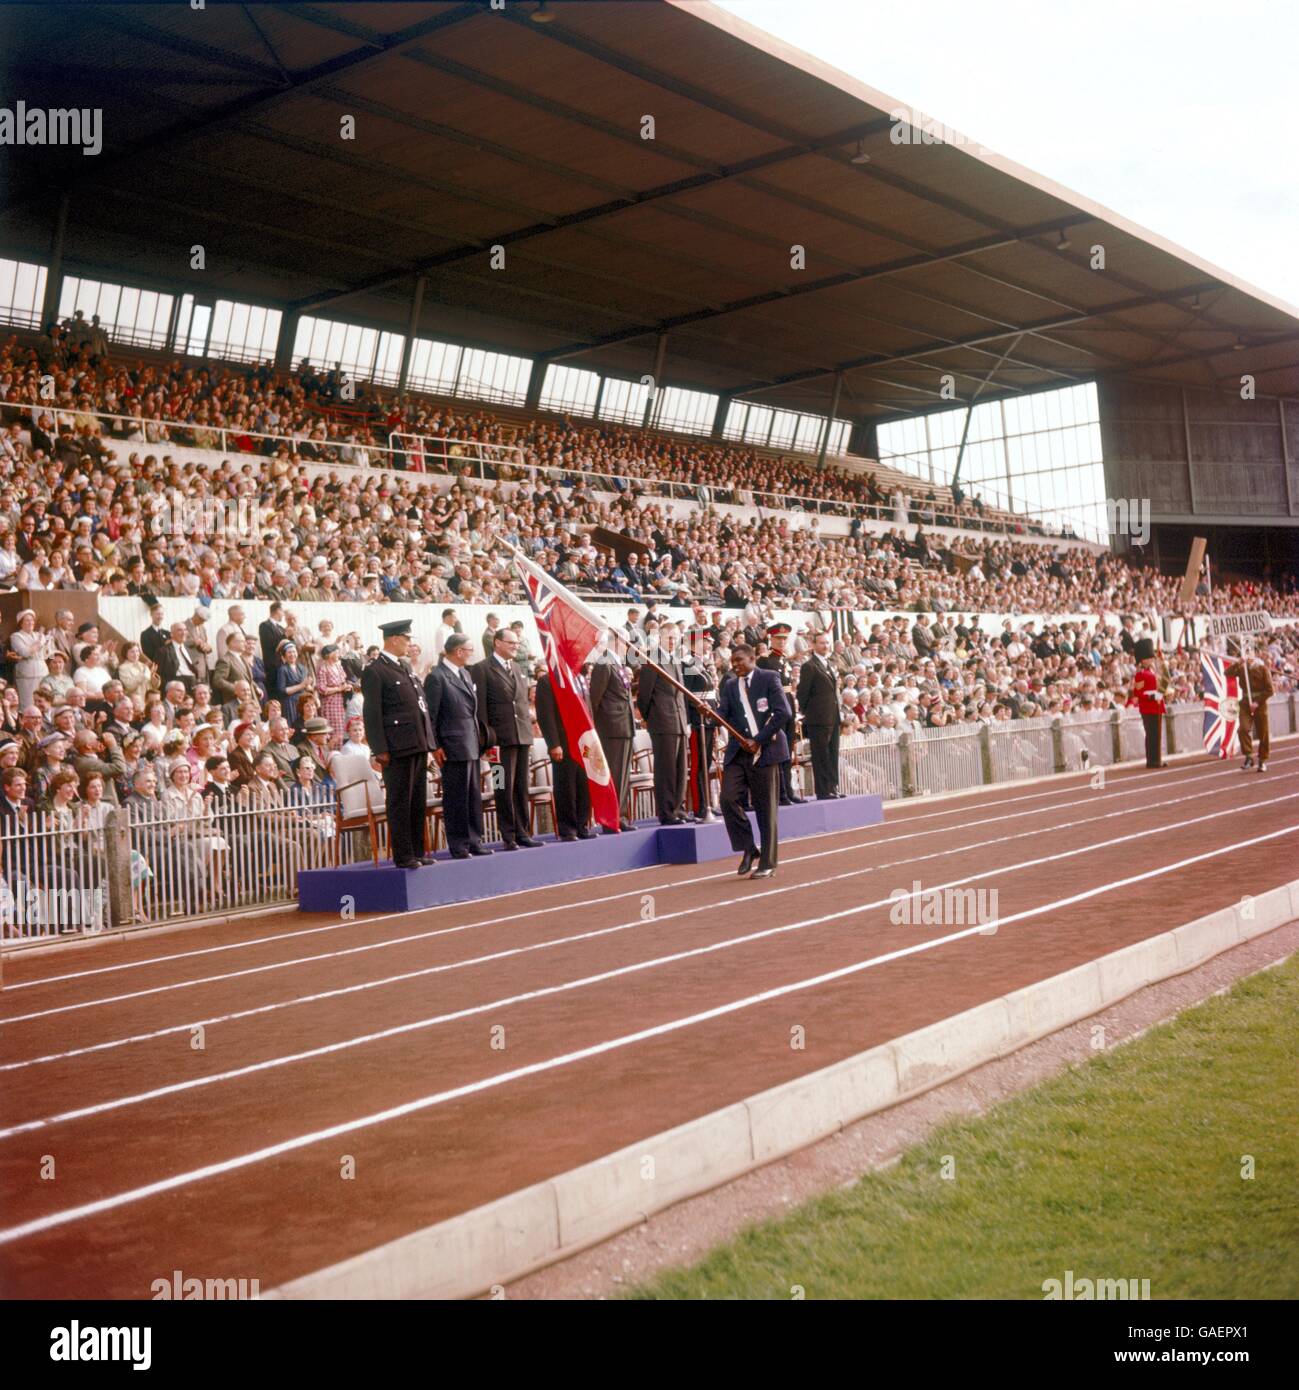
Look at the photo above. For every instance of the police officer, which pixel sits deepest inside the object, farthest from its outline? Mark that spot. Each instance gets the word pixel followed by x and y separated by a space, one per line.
pixel 700 678
pixel 400 736
pixel 776 660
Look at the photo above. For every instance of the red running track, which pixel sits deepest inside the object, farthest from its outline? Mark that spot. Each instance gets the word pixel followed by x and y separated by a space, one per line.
pixel 200 1095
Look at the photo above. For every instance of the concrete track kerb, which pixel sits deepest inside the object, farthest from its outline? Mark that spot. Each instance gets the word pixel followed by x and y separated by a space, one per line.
pixel 491 1245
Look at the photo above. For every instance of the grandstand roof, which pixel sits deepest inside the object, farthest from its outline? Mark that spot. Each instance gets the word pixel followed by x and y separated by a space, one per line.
pixel 477 127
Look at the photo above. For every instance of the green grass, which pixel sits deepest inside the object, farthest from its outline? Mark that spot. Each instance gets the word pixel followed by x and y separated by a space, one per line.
pixel 1126 1167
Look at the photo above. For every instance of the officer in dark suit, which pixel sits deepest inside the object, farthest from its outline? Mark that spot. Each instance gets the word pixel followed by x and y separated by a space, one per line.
pixel 458 737
pixel 700 679
pixel 400 736
pixel 615 720
pixel 778 661
pixel 755 703
pixel 156 636
pixel 503 703
pixel 818 698
pixel 271 633
pixel 663 708
pixel 572 790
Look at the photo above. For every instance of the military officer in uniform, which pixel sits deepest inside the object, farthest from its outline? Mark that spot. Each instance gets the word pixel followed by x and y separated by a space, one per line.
pixel 1254 695
pixel 400 736
pixel 615 720
pixel 776 660
pixel 700 679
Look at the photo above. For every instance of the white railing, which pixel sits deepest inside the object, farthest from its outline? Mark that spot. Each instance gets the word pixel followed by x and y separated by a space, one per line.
pixel 474 458
pixel 53 877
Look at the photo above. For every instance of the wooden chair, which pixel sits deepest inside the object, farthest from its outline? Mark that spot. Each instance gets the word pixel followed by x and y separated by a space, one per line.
pixel 642 776
pixel 358 801
pixel 541 789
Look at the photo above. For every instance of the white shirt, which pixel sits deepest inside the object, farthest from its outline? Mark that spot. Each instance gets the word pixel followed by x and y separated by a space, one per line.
pixel 748 708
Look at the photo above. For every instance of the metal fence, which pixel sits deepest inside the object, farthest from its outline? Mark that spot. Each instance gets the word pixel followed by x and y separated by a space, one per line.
pixel 872 769
pixel 1021 748
pixel 54 877
pixel 946 760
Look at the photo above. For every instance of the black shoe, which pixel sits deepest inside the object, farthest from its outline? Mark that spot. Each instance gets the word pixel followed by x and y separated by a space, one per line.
pixel 511 846
pixel 460 854
pixel 528 842
pixel 786 801
pixel 569 837
pixel 480 850
pixel 628 825
pixel 407 864
pixel 427 860
pixel 586 834
pixel 747 862
pixel 608 830
pixel 763 873
pixel 798 801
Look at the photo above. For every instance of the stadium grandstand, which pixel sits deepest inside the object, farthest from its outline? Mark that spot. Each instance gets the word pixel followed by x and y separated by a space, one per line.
pixel 317 317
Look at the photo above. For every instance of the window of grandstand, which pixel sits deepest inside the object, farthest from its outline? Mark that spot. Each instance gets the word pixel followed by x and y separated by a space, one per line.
pixel 570 389
pixel 192 326
pixel 22 291
pixel 136 317
pixel 364 354
pixel 434 367
pixel 245 332
pixel 493 376
pixel 783 429
pixel 688 412
pixel 1038 454
pixel 623 401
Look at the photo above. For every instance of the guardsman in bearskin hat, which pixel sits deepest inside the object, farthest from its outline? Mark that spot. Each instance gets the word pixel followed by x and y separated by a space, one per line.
pixel 1148 696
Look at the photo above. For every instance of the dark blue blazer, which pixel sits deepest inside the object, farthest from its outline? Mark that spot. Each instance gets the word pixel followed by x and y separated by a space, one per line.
pixel 453 712
pixel 770 709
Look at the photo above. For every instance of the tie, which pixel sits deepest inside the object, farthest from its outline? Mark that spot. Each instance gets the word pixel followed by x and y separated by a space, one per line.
pixel 748 708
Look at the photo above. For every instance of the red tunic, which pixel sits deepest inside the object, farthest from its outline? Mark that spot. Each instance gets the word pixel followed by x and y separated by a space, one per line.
pixel 1145 692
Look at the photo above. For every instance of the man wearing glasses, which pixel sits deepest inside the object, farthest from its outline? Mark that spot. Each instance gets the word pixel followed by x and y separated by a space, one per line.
pixel 503 699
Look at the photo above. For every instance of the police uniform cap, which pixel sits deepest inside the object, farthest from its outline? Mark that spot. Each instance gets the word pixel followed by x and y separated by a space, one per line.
pixel 398 628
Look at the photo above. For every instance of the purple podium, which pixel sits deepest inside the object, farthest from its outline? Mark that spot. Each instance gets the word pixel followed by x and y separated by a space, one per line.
pixel 383 888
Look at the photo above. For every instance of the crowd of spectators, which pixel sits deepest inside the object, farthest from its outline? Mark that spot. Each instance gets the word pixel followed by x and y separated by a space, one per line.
pixel 80 508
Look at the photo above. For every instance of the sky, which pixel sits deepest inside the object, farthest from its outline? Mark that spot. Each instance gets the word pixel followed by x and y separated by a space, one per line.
pixel 1180 115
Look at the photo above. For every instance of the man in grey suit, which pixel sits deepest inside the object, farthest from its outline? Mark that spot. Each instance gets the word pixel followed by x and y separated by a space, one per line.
pixel 458 733
pixel 198 646
pixel 663 708
pixel 230 670
pixel 615 721
pixel 503 702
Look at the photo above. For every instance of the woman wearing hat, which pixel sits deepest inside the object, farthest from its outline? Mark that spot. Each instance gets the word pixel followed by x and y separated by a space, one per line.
pixel 244 749
pixel 1148 697
pixel 332 685
pixel 290 679
pixel 28 649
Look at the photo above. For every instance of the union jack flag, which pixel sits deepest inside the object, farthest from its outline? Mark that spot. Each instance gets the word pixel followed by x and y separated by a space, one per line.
pixel 1221 708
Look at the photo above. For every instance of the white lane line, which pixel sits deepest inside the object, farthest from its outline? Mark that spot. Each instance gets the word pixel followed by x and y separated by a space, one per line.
pixel 512 918
pixel 411 1107
pixel 398 1030
pixel 748 899
pixel 1134 786
pixel 745 900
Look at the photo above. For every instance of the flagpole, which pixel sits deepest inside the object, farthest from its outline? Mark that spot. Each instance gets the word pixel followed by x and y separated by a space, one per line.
pixel 590 613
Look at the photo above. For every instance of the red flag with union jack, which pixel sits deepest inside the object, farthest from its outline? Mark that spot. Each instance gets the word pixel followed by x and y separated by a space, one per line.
pixel 568 636
pixel 1221 708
